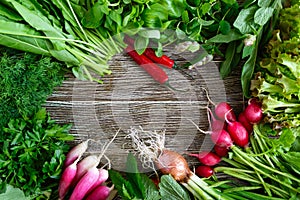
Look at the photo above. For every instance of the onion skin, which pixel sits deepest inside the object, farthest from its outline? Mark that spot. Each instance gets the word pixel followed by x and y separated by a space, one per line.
pixel 170 162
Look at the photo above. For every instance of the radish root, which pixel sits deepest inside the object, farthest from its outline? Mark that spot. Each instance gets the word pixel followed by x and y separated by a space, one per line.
pixel 148 145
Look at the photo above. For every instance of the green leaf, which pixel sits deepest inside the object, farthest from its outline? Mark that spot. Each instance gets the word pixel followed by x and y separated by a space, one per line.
pixel 205 8
pixel 124 187
pixel 149 33
pixel 116 17
pixel 229 2
pixel 245 20
pixel 247 51
pixel 264 3
pixel 231 36
pixel 134 177
pixel 293 159
pixel 140 44
pixel 226 66
pixel 170 189
pixel 12 193
pixel 249 66
pixel 93 17
pixel 263 15
pixel 174 7
pixel 41 23
pixel 292 64
pixel 224 27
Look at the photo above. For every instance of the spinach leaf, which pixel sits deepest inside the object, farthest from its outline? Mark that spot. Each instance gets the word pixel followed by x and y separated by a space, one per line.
pixel 245 20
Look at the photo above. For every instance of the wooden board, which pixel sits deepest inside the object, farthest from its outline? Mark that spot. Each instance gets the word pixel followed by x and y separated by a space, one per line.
pixel 130 97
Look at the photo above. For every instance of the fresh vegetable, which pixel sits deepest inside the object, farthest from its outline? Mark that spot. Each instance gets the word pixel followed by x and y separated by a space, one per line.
pixel 204 171
pixel 238 133
pixel 221 151
pixel 254 20
pixel 253 112
pixel 222 109
pixel 84 165
pixel 26 80
pixel 101 192
pixel 151 68
pixel 76 152
pixel 55 29
pixel 32 153
pixel 215 124
pixel 244 121
pixel 135 184
pixel 85 184
pixel 207 158
pixel 152 151
pixel 163 60
pixel 103 176
pixel 66 180
pixel 221 138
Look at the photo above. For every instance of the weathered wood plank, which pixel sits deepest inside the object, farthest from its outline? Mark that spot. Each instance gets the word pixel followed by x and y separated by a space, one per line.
pixel 129 97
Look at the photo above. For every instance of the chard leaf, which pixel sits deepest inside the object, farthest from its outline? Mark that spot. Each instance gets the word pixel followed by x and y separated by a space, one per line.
pixel 262 15
pixel 245 20
pixel 170 189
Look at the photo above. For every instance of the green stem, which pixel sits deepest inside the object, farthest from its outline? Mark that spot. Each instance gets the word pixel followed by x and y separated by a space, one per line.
pixel 194 188
pixel 250 161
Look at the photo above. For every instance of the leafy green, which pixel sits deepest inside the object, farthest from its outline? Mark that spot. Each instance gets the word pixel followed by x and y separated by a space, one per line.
pixel 12 193
pixel 170 189
pixel 32 152
pixel 26 82
pixel 136 185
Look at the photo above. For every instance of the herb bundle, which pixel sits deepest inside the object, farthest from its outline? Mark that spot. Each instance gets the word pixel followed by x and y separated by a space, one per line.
pixel 26 80
pixel 32 152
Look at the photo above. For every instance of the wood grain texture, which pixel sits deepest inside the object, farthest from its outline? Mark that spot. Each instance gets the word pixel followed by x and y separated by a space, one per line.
pixel 129 97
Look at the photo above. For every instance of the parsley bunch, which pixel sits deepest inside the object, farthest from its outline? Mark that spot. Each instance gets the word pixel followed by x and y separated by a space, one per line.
pixel 32 152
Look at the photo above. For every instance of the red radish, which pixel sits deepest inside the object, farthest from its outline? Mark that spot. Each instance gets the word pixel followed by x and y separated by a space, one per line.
pixel 222 109
pixel 253 112
pixel 215 124
pixel 204 171
pixel 66 179
pixel 85 184
pixel 207 158
pixel 242 118
pixel 238 133
pixel 84 165
pixel 221 151
pixel 103 176
pixel 75 153
pixel 170 162
pixel 99 193
pixel 221 138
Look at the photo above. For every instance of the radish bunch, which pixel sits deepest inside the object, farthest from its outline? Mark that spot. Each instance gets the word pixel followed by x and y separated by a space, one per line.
pixel 227 130
pixel 81 179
